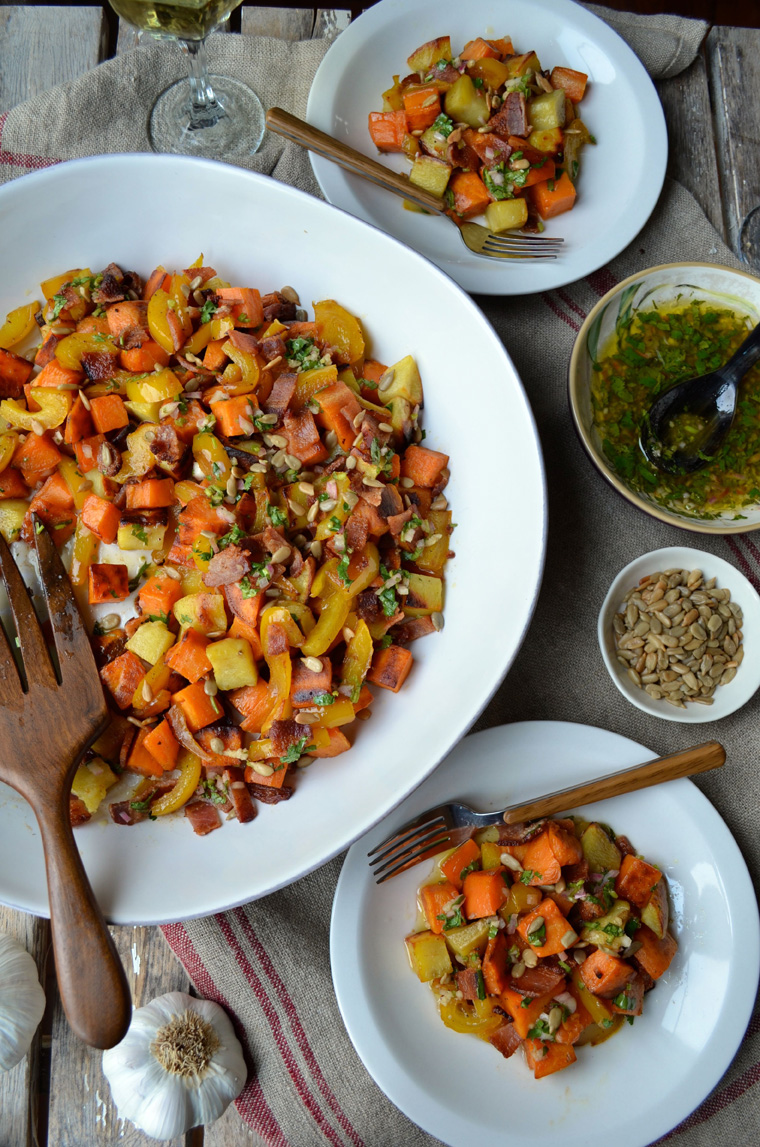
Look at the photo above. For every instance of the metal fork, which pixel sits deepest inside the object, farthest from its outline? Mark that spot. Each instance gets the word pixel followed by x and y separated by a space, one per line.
pixel 451 824
pixel 479 239
pixel 47 721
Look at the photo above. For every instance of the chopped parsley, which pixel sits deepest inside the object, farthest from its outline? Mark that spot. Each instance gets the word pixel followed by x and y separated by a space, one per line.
pixel 135 581
pixel 624 1001
pixel 303 352
pixel 59 302
pixel 208 309
pixel 141 534
pixel 540 1030
pixel 295 750
pixel 527 875
pixel 343 566
pixel 443 125
pixel 39 527
pixel 215 495
pixel 324 699
pixel 481 986
pixel 212 793
pixel 386 641
pixel 471 867
pixel 504 187
pixel 454 918
pixel 276 516
pixel 537 938
pixel 231 538
pixel 159 617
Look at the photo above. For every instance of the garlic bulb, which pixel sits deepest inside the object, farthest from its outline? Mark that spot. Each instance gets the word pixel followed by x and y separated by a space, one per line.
pixel 22 1002
pixel 180 1065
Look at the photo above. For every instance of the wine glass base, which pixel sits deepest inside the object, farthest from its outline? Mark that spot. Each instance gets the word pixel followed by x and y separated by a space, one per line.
pixel 235 132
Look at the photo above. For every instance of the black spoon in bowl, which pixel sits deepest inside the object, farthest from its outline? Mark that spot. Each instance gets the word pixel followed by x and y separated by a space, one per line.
pixel 686 425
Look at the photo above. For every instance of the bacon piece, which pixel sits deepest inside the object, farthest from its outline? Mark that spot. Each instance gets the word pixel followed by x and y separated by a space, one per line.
pixel 281 394
pixel 538 981
pixel 98 365
pixel 520 833
pixel 467 983
pixel 412 629
pixel 273 347
pixel 283 734
pixel 505 1039
pixel 463 156
pixel 268 795
pixel 203 817
pixel 276 306
pixel 108 646
pixel 122 812
pixel 512 117
pixel 47 351
pixel 78 813
pixel 624 846
pixel 245 810
pixel 245 342
pixel 228 566
pixel 165 445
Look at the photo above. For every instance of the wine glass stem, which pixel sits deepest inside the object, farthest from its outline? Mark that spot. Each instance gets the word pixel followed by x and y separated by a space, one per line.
pixel 205 109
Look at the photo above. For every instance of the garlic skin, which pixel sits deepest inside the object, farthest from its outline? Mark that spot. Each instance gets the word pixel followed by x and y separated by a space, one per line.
pixel 180 1065
pixel 22 1002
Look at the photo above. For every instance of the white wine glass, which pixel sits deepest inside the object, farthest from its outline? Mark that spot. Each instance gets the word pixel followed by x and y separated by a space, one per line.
pixel 212 116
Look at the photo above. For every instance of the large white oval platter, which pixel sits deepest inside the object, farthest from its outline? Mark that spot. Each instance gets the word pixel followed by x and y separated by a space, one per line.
pixel 139 210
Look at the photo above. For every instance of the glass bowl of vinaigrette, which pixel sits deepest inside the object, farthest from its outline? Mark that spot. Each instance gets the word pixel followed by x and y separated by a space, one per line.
pixel 651 331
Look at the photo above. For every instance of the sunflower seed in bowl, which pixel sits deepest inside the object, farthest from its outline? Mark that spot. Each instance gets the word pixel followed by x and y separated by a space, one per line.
pixel 673 632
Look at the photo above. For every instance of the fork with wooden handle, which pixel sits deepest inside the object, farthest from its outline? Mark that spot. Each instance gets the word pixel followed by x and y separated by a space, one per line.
pixel 481 241
pixel 47 721
pixel 450 824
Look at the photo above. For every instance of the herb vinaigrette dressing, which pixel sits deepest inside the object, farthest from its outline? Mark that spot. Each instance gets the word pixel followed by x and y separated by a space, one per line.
pixel 650 352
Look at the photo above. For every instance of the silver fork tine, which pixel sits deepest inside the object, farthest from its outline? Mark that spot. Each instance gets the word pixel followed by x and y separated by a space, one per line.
pixel 38 668
pixel 391 855
pixel 417 822
pixel 407 860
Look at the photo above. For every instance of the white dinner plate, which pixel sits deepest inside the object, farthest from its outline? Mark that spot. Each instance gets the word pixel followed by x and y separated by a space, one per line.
pixel 621 177
pixel 693 1020
pixel 258 232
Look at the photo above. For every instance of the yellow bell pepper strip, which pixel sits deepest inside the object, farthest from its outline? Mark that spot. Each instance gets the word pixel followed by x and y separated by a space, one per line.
pixel 361 571
pixel 158 324
pixel 358 659
pixel 250 372
pixel 83 553
pixel 281 615
pixel 189 776
pixel 54 405
pixel 275 642
pixel 474 1018
pixel 18 325
pixel 331 621
pixel 8 444
pixel 341 712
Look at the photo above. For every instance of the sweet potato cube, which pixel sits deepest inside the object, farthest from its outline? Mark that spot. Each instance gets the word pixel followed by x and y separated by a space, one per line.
pixel 565 844
pixel 122 676
pixel 107 583
pixel 465 857
pixel 605 975
pixel 524 1017
pixel 636 880
pixel 199 708
pixel 556 933
pixel 546 1058
pixel 435 898
pixel 496 965
pixel 655 955
pixel 484 893
pixel 540 860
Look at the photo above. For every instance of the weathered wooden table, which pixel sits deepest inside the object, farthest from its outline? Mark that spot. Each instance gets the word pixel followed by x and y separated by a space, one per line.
pixel 58 1094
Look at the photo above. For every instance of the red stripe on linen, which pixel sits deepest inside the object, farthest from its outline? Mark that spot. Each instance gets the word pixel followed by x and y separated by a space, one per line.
pixel 717 1103
pixel 266 965
pixel 750 545
pixel 560 313
pixel 571 304
pixel 16 159
pixel 251 1104
pixel 742 560
pixel 602 281
pixel 280 1039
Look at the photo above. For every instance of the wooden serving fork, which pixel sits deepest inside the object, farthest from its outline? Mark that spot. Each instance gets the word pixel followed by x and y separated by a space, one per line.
pixel 48 718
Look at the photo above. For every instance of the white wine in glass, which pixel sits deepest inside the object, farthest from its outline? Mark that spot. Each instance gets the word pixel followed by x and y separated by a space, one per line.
pixel 212 116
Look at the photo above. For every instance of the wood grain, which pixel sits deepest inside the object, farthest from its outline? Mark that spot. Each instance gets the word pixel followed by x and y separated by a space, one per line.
pixel 692 161
pixel 733 65
pixel 688 763
pixel 18 1087
pixel 42 47
pixel 81 1111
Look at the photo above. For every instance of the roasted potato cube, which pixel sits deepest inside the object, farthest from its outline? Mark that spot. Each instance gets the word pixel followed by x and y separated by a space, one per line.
pixel 425 595
pixel 506 214
pixel 424 57
pixel 469 938
pixel 464 103
pixel 430 174
pixel 92 781
pixel 602 855
pixel 233 663
pixel 547 111
pixel 151 641
pixel 428 955
pixel 202 611
pixel 656 912
pixel 608 931
pixel 140 536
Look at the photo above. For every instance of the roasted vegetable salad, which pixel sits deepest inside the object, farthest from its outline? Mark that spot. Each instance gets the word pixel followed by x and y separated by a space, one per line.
pixel 544 936
pixel 244 502
pixel 487 131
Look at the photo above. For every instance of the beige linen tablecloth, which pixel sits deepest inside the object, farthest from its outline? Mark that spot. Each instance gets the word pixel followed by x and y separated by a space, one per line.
pixel 268 963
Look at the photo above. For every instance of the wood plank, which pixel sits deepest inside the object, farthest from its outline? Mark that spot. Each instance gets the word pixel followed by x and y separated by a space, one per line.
pixel 733 64
pixel 330 22
pixel 19 1086
pixel 81 1110
pixel 284 23
pixel 692 160
pixel 44 46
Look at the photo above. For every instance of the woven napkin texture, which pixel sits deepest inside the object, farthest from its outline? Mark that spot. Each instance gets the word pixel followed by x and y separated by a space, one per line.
pixel 268 962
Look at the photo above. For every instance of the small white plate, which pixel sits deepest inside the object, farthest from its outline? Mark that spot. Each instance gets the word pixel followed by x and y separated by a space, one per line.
pixel 693 1021
pixel 621 177
pixel 727 698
